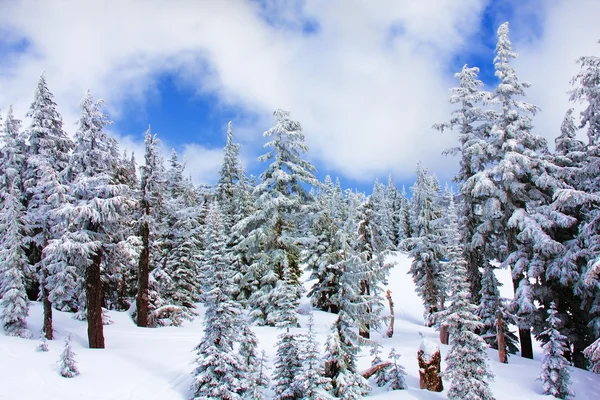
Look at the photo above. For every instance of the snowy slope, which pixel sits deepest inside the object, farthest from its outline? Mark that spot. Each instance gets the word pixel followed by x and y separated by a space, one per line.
pixel 156 363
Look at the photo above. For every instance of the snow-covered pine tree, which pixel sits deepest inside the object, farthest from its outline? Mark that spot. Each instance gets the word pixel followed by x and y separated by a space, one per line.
pixel 97 203
pixel 581 261
pixel 555 367
pixel 288 368
pixel 45 185
pixel 467 362
pixel 152 189
pixel 592 353
pixel 314 384
pixel 343 344
pixel 43 345
pixel 180 243
pixel 490 304
pixel 229 175
pixel 68 365
pixel 517 225
pixel 13 259
pixel 394 202
pixel 322 257
pixel 261 378
pixel 426 245
pixel 472 124
pixel 371 270
pixel 271 232
pixel 381 217
pixel 380 375
pixel 396 373
pixel 221 371
pixel 406 217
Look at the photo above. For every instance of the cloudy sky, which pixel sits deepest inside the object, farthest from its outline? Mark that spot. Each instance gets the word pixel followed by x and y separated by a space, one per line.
pixel 366 79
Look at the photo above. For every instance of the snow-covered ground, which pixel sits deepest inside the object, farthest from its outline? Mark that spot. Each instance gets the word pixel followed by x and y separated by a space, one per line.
pixel 150 364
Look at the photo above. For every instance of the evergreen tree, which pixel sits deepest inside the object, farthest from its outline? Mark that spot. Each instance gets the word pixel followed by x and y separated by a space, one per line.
pixel 394 205
pixel 371 270
pixel 288 367
pixel 229 176
pixel 473 125
pixel 314 385
pixel 271 233
pixel 515 190
pixel 592 352
pixel 323 255
pixel 45 185
pixel 152 185
pixel 555 367
pixel 13 259
pixel 381 215
pixel 380 375
pixel 221 372
pixel 466 362
pixel 396 373
pixel 261 378
pixel 491 303
pixel 578 268
pixel 68 365
pixel 426 245
pixel 43 345
pixel 93 214
pixel 343 344
pixel 406 216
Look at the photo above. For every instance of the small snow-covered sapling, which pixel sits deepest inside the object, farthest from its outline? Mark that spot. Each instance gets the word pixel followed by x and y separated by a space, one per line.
pixel 68 365
pixel 43 345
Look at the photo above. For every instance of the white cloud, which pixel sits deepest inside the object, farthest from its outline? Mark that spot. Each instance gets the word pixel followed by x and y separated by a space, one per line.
pixel 571 30
pixel 367 86
pixel 202 164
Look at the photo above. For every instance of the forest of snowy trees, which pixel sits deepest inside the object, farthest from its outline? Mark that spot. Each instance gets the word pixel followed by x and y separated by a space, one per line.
pixel 85 228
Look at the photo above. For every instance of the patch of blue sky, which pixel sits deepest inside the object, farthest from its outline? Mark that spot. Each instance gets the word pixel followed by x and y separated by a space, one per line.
pixel 11 46
pixel 287 16
pixel 526 25
pixel 178 114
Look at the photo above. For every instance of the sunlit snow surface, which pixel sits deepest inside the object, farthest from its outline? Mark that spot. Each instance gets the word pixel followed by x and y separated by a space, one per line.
pixel 149 364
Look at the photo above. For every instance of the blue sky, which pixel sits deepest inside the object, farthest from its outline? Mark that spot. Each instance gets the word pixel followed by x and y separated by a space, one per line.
pixel 367 82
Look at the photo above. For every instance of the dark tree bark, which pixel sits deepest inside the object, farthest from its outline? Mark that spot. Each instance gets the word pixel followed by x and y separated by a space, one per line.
pixel 143 294
pixel 524 333
pixel 365 331
pixel 47 328
pixel 93 287
pixel 502 353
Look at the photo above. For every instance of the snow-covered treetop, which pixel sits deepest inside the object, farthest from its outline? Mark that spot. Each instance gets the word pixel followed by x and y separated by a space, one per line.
pixel 46 133
pixel 288 169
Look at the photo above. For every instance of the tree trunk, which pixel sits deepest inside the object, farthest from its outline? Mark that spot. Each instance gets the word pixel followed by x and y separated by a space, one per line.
pixel 526 343
pixel 93 288
pixel 390 331
pixel 524 333
pixel 502 354
pixel 143 294
pixel 47 328
pixel 444 334
pixel 365 330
